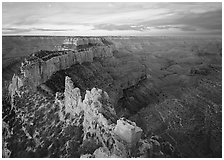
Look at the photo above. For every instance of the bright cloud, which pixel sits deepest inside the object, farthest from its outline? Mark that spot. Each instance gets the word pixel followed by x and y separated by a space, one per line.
pixel 48 18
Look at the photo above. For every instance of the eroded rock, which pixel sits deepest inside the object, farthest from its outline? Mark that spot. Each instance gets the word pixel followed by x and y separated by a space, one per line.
pixel 72 98
pixel 128 131
pixel 98 129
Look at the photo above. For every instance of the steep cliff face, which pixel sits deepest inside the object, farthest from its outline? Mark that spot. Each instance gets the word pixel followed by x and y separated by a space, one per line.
pixel 39 68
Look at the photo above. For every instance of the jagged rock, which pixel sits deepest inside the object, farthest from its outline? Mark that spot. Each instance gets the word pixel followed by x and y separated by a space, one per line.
pixel 72 98
pixel 15 84
pixel 128 131
pixel 101 152
pixel 59 100
pixel 13 88
pixel 95 124
pixel 98 129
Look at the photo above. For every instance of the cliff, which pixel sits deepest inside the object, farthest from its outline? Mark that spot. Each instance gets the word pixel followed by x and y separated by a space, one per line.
pixel 109 136
pixel 39 68
pixel 90 62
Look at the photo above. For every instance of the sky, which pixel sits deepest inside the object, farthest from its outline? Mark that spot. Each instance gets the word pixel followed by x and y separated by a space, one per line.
pixel 112 19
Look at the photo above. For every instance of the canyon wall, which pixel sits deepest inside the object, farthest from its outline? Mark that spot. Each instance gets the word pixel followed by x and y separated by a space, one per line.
pixel 90 62
pixel 39 69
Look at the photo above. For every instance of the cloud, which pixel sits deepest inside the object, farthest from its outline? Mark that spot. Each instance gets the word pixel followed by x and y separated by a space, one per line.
pixel 49 29
pixel 111 27
pixel 210 20
pixel 27 30
pixel 101 18
pixel 181 27
pixel 14 30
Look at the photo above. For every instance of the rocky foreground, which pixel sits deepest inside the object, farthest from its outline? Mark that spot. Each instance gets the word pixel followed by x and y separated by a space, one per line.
pixel 71 127
pixel 114 97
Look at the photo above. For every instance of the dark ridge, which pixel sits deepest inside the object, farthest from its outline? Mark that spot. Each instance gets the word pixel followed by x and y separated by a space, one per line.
pixel 80 79
pixel 134 99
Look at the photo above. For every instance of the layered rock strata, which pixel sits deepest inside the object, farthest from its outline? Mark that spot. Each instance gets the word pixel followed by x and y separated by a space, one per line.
pixel 39 68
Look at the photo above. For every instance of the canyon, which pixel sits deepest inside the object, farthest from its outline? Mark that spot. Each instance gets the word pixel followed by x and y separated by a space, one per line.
pixel 112 97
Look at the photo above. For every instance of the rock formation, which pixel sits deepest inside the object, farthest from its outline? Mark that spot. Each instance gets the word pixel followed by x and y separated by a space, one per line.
pixel 15 85
pixel 39 67
pixel 103 134
pixel 96 128
pixel 128 131
pixel 72 98
pixel 113 74
pixel 111 137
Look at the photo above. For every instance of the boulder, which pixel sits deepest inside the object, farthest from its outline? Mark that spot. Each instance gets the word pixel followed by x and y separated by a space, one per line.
pixel 128 131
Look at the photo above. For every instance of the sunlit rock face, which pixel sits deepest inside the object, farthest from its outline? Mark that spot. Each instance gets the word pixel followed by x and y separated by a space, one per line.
pixel 39 67
pixel 72 97
pixel 104 135
pixel 97 129
pixel 128 131
pixel 16 83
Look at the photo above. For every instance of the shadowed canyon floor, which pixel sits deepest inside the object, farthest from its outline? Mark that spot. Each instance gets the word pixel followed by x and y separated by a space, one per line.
pixel 171 87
